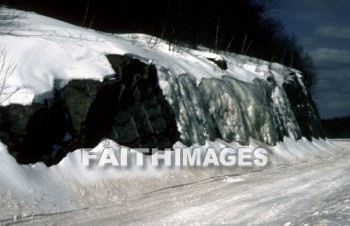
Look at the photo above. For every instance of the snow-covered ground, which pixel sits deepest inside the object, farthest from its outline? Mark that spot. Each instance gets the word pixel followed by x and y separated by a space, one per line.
pixel 304 192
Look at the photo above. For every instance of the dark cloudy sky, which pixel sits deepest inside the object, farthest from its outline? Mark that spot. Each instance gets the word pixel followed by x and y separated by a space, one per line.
pixel 323 29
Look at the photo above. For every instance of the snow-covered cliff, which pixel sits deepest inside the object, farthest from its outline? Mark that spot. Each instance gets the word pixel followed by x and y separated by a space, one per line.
pixel 211 95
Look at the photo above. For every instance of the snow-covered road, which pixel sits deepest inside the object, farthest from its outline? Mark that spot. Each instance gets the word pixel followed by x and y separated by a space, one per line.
pixel 304 194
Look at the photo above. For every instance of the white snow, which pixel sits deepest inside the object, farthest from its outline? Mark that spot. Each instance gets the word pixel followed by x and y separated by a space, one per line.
pixel 74 52
pixel 45 49
pixel 296 171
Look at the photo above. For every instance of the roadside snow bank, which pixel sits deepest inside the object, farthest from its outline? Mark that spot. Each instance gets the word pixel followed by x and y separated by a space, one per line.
pixel 27 190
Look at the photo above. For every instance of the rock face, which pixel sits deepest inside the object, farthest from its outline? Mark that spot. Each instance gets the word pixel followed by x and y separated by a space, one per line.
pixel 34 133
pixel 128 107
pixel 304 108
pixel 78 96
pixel 131 110
pixel 234 110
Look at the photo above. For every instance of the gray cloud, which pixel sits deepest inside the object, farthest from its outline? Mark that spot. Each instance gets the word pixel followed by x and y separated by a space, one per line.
pixel 334 32
pixel 333 91
pixel 331 58
pixel 331 54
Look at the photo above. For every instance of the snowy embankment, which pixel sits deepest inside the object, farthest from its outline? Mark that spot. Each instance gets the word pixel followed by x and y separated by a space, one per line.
pixel 45 50
pixel 303 174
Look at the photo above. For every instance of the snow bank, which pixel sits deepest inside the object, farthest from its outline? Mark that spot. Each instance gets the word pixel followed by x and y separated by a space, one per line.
pixel 28 190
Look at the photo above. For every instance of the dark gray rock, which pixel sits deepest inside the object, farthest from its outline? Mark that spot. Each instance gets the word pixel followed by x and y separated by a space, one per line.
pixel 220 63
pixel 304 108
pixel 13 123
pixel 128 107
pixel 78 96
pixel 132 110
pixel 30 132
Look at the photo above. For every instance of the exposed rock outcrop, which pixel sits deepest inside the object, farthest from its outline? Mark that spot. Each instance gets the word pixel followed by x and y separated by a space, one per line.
pixel 132 110
pixel 304 108
pixel 128 107
pixel 221 63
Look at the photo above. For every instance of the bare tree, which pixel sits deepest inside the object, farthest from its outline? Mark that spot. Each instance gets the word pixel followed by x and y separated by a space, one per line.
pixel 217 35
pixel 7 68
pixel 244 42
pixel 151 41
pixel 86 12
pixel 230 43
pixel 9 20
pixel 259 63
pixel 92 21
